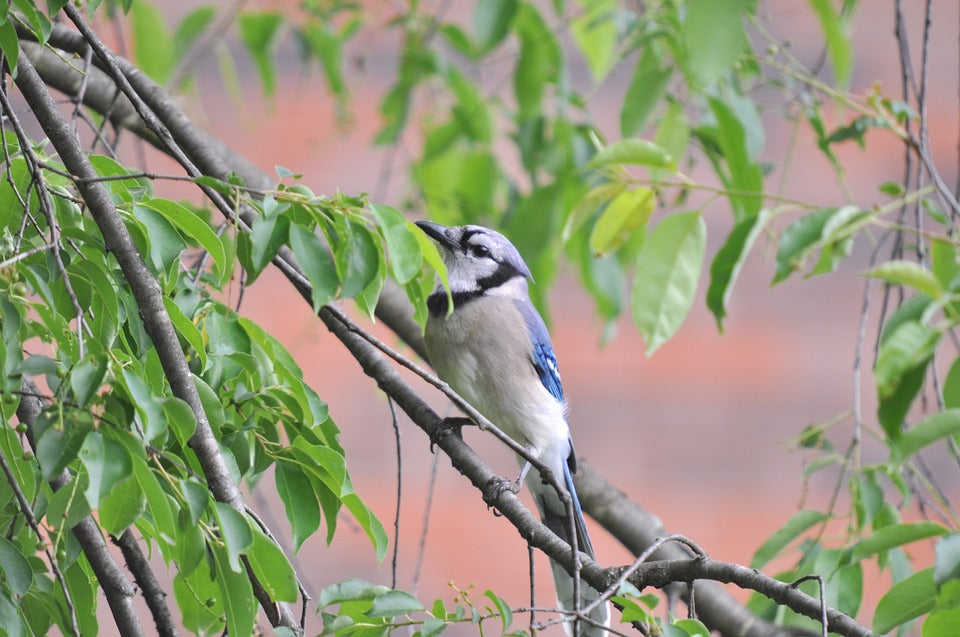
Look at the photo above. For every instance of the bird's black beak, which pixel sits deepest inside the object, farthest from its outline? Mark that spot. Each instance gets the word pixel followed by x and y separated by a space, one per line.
pixel 439 233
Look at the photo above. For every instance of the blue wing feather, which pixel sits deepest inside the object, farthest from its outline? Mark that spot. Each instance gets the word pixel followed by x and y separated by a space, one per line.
pixel 542 356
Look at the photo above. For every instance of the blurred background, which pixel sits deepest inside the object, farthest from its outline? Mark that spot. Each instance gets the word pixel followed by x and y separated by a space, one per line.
pixel 700 434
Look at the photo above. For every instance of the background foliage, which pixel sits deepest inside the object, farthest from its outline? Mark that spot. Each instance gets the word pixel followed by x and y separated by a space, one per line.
pixel 626 211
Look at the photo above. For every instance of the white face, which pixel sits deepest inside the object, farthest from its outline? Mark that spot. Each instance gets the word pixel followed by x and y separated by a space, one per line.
pixel 479 258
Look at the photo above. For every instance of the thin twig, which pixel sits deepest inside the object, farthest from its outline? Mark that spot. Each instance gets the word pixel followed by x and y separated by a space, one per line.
pixel 823 598
pixel 396 517
pixel 25 254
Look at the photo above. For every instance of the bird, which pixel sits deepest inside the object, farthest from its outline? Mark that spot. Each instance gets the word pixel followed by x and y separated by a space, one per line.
pixel 494 350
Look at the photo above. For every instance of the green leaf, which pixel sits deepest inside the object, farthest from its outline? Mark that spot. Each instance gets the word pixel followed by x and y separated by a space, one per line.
pixel 942 622
pixel 195 228
pixel 186 329
pixel 624 215
pixel 797 241
pixel 646 90
pixel 369 523
pixel 892 409
pixel 317 263
pixel 906 600
pixel 158 504
pixel 393 603
pixel 191 26
pixel 839 45
pixel 239 605
pixel 693 627
pixel 673 134
pixel 539 61
pixel 259 30
pixel 838 234
pixel 491 22
pixel 594 198
pixel 107 463
pixel 745 180
pixel 595 31
pixel 39 23
pixel 951 386
pixel 798 523
pixel 503 609
pixel 299 502
pixel 235 532
pixel 86 378
pixel 163 242
pixel 931 429
pixel 946 566
pixel 145 402
pixel 197 497
pixel 152 45
pixel 180 417
pixel 890 537
pixel 943 262
pixel 910 274
pixel 18 575
pixel 10 45
pixel 349 590
pixel 327 44
pixel 907 347
pixel 633 151
pixel 713 38
pixel 666 274
pixel 728 261
pixel 402 245
pixel 357 258
pixel 267 235
pixel 122 506
pixel 272 568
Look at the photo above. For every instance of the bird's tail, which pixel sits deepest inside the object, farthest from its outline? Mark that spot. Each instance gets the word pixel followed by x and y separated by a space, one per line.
pixel 554 516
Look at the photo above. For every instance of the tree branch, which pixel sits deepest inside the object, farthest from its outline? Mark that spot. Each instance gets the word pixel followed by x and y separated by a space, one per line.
pixel 153 593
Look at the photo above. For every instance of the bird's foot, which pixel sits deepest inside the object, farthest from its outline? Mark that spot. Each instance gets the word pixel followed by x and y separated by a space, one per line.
pixel 445 427
pixel 496 487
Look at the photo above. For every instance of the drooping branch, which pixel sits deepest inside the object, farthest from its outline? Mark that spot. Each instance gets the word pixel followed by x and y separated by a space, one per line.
pixel 148 296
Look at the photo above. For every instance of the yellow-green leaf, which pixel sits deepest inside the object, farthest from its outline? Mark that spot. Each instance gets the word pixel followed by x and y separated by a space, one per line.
pixel 627 212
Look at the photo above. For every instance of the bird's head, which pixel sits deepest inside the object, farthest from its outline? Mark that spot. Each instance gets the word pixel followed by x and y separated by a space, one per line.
pixel 479 260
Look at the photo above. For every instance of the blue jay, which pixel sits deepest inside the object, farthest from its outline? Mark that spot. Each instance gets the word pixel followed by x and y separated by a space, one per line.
pixel 494 350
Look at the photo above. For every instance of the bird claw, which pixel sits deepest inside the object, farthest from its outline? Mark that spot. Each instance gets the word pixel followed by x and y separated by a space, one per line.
pixel 496 487
pixel 445 427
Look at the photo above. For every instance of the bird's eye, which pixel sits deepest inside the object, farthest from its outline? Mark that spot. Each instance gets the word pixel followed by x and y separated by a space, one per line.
pixel 480 252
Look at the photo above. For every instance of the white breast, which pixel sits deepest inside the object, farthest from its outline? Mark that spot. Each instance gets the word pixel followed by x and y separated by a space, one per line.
pixel 483 351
